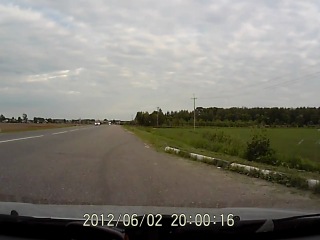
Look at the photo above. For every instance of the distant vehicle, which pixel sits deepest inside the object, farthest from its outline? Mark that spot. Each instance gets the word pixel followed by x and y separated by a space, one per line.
pixel 97 123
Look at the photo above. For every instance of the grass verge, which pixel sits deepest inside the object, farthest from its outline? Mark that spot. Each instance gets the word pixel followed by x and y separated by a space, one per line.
pixel 287 176
pixel 21 127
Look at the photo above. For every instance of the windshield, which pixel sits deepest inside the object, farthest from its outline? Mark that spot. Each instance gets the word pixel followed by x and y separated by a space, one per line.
pixel 189 104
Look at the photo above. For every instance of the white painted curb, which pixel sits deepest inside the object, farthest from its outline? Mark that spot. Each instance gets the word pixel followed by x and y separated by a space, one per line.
pixel 311 182
pixel 175 150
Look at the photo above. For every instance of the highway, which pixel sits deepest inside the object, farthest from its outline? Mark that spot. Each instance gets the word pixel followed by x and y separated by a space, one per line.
pixel 107 165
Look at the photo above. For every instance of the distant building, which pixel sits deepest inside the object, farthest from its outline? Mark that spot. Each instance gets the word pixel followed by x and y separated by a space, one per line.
pixel 38 120
pixel 59 120
pixel 87 121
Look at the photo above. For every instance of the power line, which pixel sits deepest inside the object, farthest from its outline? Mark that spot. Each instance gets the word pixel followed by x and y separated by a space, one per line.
pixel 265 87
pixel 289 81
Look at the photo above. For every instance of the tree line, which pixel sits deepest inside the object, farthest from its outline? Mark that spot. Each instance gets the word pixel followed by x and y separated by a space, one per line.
pixel 22 119
pixel 232 117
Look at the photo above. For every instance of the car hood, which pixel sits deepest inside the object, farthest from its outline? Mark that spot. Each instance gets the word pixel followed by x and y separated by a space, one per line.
pixel 78 211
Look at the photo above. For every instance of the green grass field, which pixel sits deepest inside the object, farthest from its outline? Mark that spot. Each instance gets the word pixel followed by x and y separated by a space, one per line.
pixel 299 142
pixel 304 143
pixel 289 143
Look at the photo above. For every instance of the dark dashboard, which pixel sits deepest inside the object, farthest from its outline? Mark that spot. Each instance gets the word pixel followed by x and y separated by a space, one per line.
pixel 299 227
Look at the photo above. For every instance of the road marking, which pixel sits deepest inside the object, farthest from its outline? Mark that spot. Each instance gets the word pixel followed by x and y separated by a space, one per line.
pixel 74 130
pixel 85 128
pixel 59 133
pixel 300 141
pixel 18 139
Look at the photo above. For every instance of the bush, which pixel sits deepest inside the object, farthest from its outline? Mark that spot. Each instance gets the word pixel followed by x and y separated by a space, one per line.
pixel 259 149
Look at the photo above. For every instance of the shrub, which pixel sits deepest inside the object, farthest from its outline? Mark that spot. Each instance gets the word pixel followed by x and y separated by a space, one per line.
pixel 295 162
pixel 259 149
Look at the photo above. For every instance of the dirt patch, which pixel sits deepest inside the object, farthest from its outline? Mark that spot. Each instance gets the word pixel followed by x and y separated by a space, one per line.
pixel 18 127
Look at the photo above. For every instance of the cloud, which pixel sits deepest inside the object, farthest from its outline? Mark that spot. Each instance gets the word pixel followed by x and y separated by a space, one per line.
pixel 47 76
pixel 131 55
pixel 53 75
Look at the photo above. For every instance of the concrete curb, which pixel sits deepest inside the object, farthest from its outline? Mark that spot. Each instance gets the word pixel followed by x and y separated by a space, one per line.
pixel 201 158
pixel 312 183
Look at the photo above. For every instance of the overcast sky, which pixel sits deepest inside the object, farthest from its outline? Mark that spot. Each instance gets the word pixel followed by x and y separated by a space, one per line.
pixel 110 59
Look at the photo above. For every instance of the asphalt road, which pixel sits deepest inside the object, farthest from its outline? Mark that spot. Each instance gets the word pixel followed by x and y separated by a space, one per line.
pixel 107 165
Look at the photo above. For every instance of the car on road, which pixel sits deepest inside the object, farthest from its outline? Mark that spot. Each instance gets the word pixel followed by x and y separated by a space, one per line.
pixel 97 123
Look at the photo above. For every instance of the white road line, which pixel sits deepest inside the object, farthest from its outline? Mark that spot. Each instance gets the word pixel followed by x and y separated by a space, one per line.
pixel 74 130
pixel 59 132
pixel 18 139
pixel 85 128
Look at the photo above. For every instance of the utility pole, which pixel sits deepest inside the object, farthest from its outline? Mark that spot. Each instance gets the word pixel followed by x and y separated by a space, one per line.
pixel 157 116
pixel 194 112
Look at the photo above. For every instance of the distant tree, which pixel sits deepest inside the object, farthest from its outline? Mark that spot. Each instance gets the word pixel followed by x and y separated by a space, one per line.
pixel 146 119
pixel 38 120
pixel 300 120
pixel 2 118
pixel 161 117
pixel 234 117
pixel 19 119
pixel 138 118
pixel 175 121
pixel 153 118
pixel 25 117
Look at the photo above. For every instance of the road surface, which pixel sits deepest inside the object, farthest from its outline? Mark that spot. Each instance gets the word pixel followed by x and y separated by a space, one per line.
pixel 107 165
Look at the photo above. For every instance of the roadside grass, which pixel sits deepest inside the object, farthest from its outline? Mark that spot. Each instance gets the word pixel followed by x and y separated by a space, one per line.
pixel 21 127
pixel 303 143
pixel 189 140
